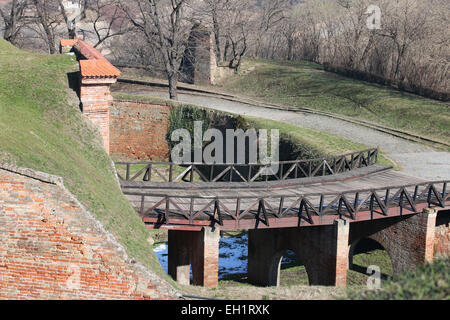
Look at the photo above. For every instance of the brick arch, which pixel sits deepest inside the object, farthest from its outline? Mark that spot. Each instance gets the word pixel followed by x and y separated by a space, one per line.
pixel 353 246
pixel 323 250
pixel 275 266
pixel 408 240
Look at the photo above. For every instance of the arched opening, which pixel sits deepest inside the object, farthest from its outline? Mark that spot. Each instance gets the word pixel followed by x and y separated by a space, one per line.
pixel 286 269
pixel 365 256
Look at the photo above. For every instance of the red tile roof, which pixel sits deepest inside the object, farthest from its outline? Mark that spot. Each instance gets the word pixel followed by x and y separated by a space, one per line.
pixel 96 65
pixel 68 42
pixel 98 69
pixel 88 51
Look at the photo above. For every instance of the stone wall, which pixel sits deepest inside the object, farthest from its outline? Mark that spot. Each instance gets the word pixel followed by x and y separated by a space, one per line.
pixel 52 248
pixel 139 130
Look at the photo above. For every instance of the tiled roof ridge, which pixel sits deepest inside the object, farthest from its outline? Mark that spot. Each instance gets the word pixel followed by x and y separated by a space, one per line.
pixel 96 65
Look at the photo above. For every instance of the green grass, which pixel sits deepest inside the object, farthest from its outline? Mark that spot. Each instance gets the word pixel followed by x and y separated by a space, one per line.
pixel 305 84
pixel 312 143
pixel 42 128
pixel 427 282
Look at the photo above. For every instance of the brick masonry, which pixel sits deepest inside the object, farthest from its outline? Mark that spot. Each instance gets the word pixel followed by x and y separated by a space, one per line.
pixel 52 248
pixel 327 250
pixel 139 130
pixel 409 240
pixel 442 237
pixel 96 76
pixel 322 249
pixel 95 99
pixel 198 249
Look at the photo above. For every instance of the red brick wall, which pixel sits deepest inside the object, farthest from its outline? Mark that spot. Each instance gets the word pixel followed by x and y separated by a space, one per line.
pixel 51 248
pixel 138 131
pixel 95 99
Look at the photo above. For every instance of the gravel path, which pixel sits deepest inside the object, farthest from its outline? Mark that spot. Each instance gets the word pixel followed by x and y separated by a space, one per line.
pixel 415 159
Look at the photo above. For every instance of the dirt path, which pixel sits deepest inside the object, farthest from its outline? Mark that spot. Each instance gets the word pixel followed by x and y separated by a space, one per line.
pixel 415 159
pixel 266 293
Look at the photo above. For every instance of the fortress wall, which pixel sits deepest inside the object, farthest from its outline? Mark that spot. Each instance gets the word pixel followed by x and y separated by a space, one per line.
pixel 52 248
pixel 138 131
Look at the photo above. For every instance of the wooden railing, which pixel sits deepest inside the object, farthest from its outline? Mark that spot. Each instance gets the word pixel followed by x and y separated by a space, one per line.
pixel 172 172
pixel 309 208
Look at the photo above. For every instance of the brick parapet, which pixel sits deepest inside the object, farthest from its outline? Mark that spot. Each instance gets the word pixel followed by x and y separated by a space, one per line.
pixel 53 248
pixel 139 130
pixel 97 74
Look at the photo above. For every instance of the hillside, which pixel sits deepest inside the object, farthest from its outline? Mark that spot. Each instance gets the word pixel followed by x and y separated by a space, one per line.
pixel 305 84
pixel 42 128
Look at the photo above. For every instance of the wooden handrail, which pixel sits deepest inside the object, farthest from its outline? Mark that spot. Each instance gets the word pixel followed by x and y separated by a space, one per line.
pixel 251 172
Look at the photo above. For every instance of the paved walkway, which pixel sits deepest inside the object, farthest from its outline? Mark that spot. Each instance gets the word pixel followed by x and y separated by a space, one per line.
pixel 415 159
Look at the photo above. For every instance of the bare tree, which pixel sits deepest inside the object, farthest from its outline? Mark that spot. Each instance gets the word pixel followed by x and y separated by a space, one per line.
pixel 13 17
pixel 271 13
pixel 165 25
pixel 238 25
pixel 105 19
pixel 214 10
pixel 48 19
pixel 235 25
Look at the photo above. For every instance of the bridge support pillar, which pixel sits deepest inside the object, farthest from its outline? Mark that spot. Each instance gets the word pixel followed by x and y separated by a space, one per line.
pixel 198 250
pixel 322 249
pixel 408 240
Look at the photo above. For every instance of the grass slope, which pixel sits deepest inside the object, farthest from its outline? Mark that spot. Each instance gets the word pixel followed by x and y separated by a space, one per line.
pixel 40 128
pixel 428 282
pixel 305 84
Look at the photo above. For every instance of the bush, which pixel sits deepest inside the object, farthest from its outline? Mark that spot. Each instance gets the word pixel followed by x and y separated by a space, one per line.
pixel 427 282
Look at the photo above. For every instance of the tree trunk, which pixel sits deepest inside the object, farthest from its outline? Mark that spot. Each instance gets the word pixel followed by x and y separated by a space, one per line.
pixel 173 79
pixel 42 14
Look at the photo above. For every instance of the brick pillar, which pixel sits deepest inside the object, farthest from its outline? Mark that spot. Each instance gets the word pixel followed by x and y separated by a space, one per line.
pixel 342 232
pixel 200 249
pixel 97 75
pixel 178 256
pixel 96 100
pixel 442 239
pixel 322 249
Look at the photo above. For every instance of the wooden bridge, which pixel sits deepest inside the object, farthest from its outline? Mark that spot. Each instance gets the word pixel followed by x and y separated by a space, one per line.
pixel 301 193
pixel 318 208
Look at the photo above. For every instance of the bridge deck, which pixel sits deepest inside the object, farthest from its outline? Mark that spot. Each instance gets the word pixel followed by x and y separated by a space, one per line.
pixel 361 194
